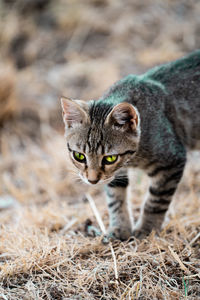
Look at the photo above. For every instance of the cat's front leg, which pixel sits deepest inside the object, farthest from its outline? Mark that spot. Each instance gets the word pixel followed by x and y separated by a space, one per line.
pixel 164 181
pixel 120 226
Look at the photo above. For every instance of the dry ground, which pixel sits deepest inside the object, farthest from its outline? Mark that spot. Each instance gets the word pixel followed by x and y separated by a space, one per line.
pixel 44 253
pixel 79 50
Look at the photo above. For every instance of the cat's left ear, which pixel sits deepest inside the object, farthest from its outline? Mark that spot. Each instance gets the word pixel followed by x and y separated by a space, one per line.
pixel 123 116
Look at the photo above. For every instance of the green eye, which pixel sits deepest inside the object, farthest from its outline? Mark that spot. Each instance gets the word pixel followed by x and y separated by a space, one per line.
pixel 110 159
pixel 79 156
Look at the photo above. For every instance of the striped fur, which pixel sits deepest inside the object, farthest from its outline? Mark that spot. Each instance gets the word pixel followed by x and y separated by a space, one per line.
pixel 147 121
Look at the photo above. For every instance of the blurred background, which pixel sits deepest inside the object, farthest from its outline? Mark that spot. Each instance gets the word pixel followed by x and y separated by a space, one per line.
pixel 76 49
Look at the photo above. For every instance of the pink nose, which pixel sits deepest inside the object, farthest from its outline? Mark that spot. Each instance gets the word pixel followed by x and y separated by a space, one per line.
pixel 93 181
pixel 93 176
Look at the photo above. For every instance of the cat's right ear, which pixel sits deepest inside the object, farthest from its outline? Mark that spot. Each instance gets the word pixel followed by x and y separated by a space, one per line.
pixel 74 112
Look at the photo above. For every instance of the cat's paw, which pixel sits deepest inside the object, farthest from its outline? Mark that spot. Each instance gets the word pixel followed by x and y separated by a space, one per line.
pixel 140 233
pixel 145 225
pixel 142 229
pixel 116 233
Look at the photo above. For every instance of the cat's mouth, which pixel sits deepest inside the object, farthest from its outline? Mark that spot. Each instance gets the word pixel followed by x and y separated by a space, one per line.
pixel 100 182
pixel 94 183
pixel 104 181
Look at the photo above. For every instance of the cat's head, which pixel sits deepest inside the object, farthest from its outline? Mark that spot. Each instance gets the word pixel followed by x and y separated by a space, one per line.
pixel 101 138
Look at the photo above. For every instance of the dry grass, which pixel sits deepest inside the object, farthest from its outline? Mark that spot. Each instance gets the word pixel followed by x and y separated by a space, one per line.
pixel 46 255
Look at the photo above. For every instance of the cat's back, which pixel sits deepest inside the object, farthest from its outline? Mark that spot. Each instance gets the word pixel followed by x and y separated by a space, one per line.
pixel 166 93
pixel 181 80
pixel 185 69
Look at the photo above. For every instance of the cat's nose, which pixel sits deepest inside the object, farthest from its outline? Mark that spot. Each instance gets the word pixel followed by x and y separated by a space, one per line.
pixel 92 176
pixel 93 181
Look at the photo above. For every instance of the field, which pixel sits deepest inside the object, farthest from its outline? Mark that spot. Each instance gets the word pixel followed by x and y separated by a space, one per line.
pixel 54 48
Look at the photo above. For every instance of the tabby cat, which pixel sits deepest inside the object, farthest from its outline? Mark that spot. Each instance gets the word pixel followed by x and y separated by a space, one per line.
pixel 147 121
